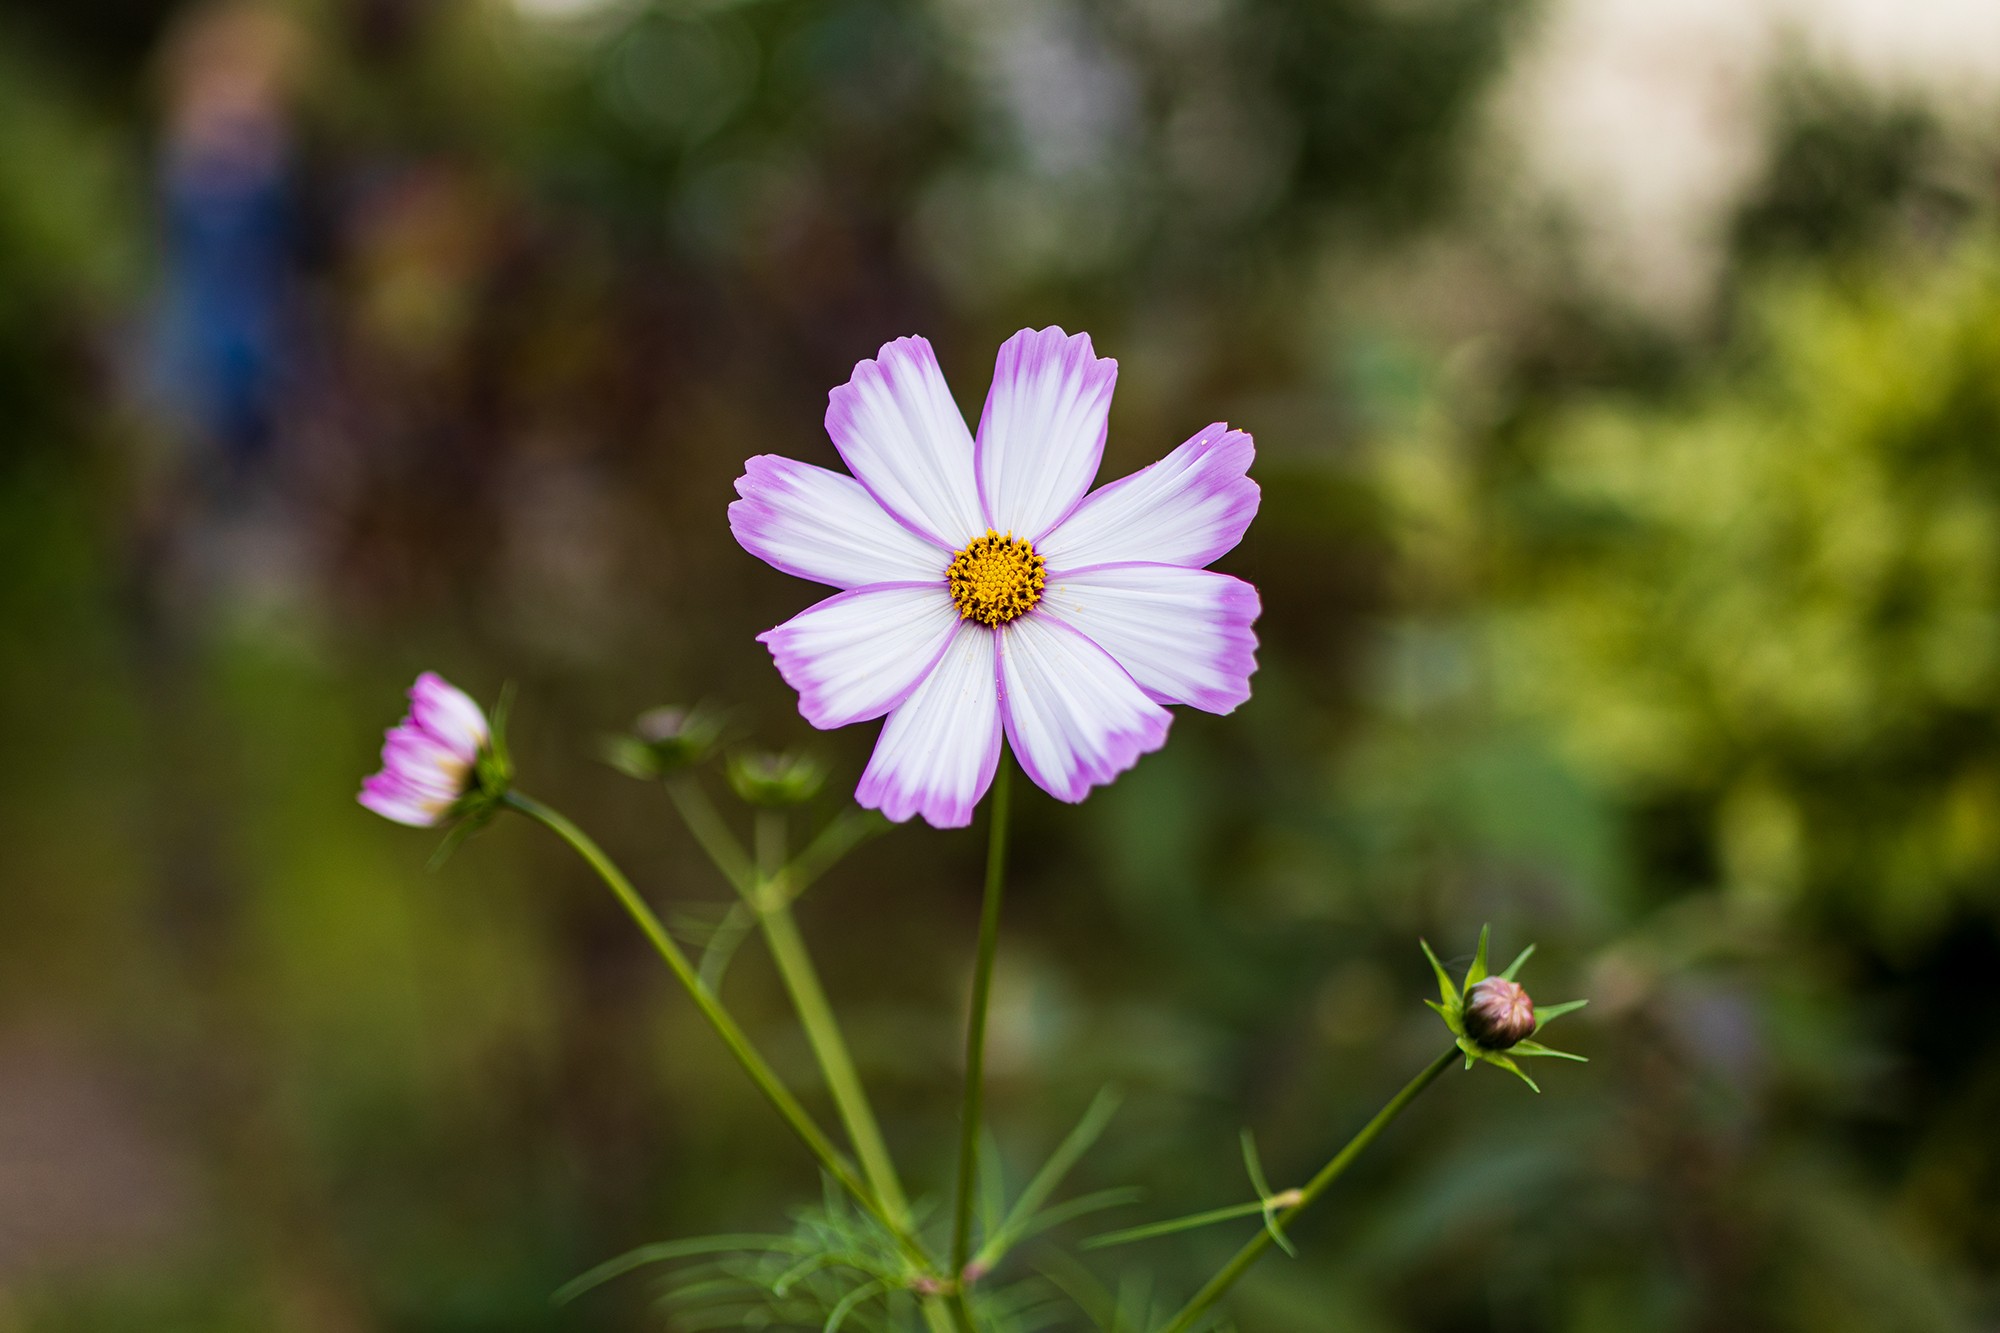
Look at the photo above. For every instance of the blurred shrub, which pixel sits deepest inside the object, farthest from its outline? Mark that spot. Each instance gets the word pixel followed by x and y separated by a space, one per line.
pixel 1770 615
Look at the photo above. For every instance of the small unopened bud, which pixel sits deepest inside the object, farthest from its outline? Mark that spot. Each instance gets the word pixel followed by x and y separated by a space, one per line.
pixel 664 741
pixel 1498 1013
pixel 776 779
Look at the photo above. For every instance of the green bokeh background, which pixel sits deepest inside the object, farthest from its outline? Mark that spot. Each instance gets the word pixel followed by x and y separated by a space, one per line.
pixel 1674 646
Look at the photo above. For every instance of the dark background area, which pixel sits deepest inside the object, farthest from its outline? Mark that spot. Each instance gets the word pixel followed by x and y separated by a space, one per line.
pixel 348 338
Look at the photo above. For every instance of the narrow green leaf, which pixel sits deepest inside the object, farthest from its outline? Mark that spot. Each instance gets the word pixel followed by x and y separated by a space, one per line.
pixel 1081 1206
pixel 460 831
pixel 1278 1235
pixel 1548 1014
pixel 668 1250
pixel 1446 991
pixel 1477 972
pixel 1253 1165
pixel 1067 1275
pixel 1513 1069
pixel 1536 1048
pixel 1515 966
pixel 838 1315
pixel 1047 1180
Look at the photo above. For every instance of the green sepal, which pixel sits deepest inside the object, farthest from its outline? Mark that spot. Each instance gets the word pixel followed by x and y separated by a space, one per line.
pixel 1450 992
pixel 492 779
pixel 503 707
pixel 1494 1058
pixel 1515 966
pixel 1537 1049
pixel 1543 1017
pixel 458 833
pixel 1477 972
pixel 1450 1017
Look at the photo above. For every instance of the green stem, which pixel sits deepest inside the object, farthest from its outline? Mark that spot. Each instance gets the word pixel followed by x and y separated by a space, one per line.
pixel 699 814
pixel 772 904
pixel 725 1026
pixel 1167 1228
pixel 975 1035
pixel 1256 1245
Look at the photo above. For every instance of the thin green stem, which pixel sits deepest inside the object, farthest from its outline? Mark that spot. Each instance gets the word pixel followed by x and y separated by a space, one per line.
pixel 719 1018
pixel 1256 1245
pixel 1167 1228
pixel 975 1034
pixel 699 814
pixel 772 904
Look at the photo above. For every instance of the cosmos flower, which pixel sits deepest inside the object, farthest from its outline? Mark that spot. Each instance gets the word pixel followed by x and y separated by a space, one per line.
pixel 432 758
pixel 983 592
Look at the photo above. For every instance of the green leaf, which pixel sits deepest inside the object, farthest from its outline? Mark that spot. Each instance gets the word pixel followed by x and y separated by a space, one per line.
pixel 1278 1234
pixel 1253 1165
pixel 1081 1206
pixel 1535 1048
pixel 1448 991
pixel 497 728
pixel 664 1251
pixel 1047 1180
pixel 838 1315
pixel 1512 1068
pixel 1515 966
pixel 460 831
pixel 1477 972
pixel 1545 1016
pixel 1450 1017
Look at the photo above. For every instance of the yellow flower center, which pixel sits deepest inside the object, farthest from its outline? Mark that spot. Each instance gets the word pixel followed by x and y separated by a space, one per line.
pixel 995 578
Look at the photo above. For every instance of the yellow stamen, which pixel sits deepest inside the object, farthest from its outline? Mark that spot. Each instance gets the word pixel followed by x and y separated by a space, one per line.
pixel 995 578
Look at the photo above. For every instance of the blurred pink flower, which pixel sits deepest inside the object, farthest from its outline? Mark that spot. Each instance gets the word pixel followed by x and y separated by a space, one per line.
pixel 984 592
pixel 429 759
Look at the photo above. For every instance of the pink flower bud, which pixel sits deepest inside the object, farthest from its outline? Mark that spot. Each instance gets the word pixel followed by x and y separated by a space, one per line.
pixel 431 758
pixel 1498 1013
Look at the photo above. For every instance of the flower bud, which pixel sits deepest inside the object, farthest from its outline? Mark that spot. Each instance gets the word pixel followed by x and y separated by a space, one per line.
pixel 442 762
pixel 775 779
pixel 664 741
pixel 1498 1013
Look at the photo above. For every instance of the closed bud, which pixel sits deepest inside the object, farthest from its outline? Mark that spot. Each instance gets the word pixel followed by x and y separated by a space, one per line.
pixel 664 741
pixel 1498 1013
pixel 776 779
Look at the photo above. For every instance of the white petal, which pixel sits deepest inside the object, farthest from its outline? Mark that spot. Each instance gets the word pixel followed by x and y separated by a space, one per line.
pixel 1183 634
pixel 858 654
pixel 938 750
pixel 1186 509
pixel 1042 433
pixel 826 527
pixel 904 439
pixel 1075 718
